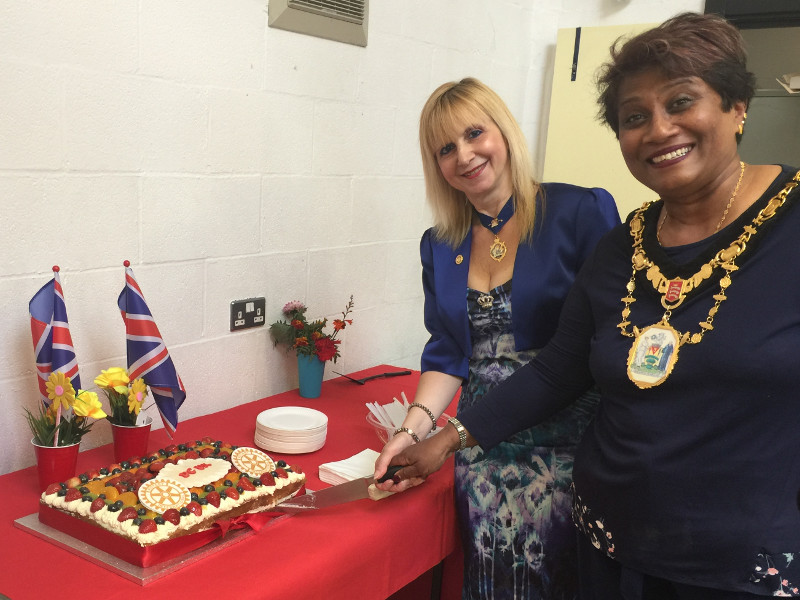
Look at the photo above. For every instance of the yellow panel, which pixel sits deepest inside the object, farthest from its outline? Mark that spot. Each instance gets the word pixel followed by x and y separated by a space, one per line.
pixel 581 150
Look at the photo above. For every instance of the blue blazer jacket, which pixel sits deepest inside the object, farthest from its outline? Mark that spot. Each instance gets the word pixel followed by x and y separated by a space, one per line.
pixel 569 223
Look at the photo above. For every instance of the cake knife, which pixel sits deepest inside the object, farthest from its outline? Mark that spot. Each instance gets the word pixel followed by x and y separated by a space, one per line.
pixel 357 489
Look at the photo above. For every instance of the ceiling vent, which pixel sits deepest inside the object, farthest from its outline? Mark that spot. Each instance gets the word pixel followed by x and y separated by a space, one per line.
pixel 338 20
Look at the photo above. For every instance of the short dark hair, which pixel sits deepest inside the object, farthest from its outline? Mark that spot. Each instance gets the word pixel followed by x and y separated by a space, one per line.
pixel 687 45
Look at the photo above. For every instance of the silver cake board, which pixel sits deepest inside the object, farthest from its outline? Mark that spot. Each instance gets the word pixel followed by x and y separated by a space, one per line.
pixel 135 573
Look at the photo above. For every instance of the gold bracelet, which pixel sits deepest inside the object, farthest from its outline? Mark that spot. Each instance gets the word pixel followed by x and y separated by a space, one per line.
pixel 409 432
pixel 427 410
pixel 462 433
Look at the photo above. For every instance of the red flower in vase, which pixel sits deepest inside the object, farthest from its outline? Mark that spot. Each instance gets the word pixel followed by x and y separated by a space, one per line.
pixel 326 348
pixel 339 324
pixel 308 338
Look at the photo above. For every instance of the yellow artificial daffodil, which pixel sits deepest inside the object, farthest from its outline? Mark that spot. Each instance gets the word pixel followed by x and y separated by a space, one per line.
pixel 87 404
pixel 115 378
pixel 137 395
pixel 60 390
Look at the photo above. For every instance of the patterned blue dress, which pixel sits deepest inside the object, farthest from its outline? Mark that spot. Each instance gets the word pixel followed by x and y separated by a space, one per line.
pixel 514 502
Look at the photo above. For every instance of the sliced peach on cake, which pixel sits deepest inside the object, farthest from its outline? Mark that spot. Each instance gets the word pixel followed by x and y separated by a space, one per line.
pixel 129 499
pixel 96 487
pixel 111 493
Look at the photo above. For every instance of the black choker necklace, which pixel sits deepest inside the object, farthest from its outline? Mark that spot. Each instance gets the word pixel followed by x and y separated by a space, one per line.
pixel 494 224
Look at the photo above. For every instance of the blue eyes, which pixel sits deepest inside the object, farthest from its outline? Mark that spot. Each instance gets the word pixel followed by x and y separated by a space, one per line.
pixel 470 134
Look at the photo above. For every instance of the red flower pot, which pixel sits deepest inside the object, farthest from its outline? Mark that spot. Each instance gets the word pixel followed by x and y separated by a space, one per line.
pixel 55 463
pixel 130 440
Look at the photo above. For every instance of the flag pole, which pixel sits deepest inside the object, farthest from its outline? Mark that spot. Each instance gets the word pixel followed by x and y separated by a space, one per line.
pixel 56 269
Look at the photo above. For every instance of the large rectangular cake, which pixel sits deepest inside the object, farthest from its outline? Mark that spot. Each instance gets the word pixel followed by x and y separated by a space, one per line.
pixel 149 509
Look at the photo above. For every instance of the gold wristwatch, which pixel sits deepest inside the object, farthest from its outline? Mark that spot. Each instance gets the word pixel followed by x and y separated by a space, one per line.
pixel 462 433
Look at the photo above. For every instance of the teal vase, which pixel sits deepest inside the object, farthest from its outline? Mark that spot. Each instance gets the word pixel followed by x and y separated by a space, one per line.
pixel 310 370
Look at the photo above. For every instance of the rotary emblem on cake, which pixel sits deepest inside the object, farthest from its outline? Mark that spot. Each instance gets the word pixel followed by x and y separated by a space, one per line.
pixel 161 494
pixel 176 491
pixel 251 461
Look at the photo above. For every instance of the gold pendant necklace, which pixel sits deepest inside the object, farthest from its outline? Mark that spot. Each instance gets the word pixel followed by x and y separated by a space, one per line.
pixel 654 351
pixel 498 249
pixel 724 213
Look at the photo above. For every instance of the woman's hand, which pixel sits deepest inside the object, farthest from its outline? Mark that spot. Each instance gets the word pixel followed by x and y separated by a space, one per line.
pixel 392 448
pixel 417 460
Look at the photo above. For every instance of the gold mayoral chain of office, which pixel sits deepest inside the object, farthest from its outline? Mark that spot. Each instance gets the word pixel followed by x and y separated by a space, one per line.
pixel 661 336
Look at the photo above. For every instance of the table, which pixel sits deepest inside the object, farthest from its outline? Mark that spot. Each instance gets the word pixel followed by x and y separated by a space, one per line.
pixel 361 550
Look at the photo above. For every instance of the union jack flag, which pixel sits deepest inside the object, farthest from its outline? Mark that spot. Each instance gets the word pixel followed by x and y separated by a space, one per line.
pixel 148 356
pixel 52 342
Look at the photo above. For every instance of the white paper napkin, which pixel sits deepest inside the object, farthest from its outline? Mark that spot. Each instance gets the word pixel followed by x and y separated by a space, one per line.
pixel 359 465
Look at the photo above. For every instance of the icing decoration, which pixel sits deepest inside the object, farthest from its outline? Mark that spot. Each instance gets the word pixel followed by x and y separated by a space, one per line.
pixel 252 461
pixel 161 494
pixel 195 472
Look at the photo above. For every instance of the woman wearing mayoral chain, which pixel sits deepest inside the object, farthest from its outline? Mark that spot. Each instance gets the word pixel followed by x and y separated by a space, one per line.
pixel 494 226
pixel 687 318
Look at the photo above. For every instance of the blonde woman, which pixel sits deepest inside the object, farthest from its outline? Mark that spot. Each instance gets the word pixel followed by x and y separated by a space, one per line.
pixel 496 226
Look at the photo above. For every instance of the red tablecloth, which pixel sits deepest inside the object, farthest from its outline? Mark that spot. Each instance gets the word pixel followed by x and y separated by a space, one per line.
pixel 362 550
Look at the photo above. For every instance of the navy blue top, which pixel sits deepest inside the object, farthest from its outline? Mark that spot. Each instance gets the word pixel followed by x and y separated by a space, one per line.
pixel 695 480
pixel 569 223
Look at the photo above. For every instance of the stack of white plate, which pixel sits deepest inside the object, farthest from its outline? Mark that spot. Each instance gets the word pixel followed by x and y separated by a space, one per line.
pixel 291 429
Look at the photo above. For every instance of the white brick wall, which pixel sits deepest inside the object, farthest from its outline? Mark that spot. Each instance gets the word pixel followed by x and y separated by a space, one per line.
pixel 225 160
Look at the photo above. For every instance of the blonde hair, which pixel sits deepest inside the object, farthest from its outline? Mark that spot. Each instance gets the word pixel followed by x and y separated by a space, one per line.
pixel 449 107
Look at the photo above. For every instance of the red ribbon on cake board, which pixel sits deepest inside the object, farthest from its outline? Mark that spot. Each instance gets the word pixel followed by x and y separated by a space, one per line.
pixel 253 520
